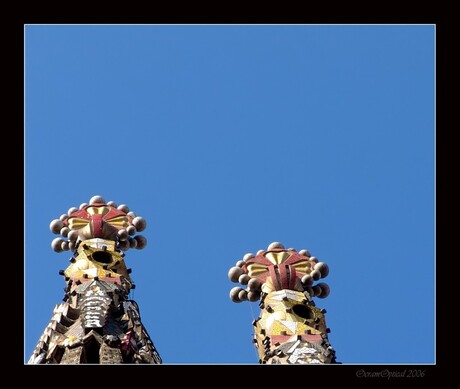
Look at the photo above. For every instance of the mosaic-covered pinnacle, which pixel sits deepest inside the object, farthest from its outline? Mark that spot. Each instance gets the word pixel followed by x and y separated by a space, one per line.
pixel 98 219
pixel 277 268
pixel 290 328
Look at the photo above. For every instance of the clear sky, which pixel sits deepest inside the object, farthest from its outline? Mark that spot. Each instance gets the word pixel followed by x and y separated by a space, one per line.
pixel 227 138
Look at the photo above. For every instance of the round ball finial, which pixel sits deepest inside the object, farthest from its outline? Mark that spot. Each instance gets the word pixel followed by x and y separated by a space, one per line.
pixel 317 290
pixel 234 292
pixel 56 225
pixel 307 280
pixel 305 252
pixel 124 245
pixel 243 295
pixel 96 199
pixel 254 284
pixel 325 290
pixel 243 279
pixel 253 295
pixel 122 234
pixel 234 273
pixel 72 235
pixel 123 207
pixel 141 241
pixel 56 245
pixel 65 245
pixel 71 210
pixel 140 223
pixel 132 243
pixel 316 275
pixel 275 245
pixel 322 268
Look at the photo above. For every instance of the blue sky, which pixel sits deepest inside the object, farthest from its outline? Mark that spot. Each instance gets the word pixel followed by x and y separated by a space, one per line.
pixel 227 138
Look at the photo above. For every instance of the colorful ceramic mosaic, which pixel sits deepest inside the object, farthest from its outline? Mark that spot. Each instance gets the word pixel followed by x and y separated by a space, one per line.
pixel 97 322
pixel 290 328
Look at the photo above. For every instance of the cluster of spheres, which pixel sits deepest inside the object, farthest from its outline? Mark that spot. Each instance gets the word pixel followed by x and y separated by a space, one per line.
pixel 256 285
pixel 98 219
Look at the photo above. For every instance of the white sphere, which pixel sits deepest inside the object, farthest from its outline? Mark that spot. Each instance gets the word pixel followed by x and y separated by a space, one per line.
pixel 317 290
pixel 314 259
pixel 72 245
pixel 248 256
pixel 72 235
pixel 240 263
pixel 123 207
pixel 122 234
pixel 131 230
pixel 140 223
pixel 124 245
pixel 325 290
pixel 82 205
pixel 141 241
pixel 65 245
pixel 96 199
pixel 56 226
pixel 234 294
pixel 275 245
pixel 132 243
pixel 63 217
pixel 71 210
pixel 260 252
pixel 322 268
pixel 243 279
pixel 112 204
pixel 316 275
pixel 307 280
pixel 254 284
pixel 65 231
pixel 234 273
pixel 253 295
pixel 243 295
pixel 56 244
pixel 305 252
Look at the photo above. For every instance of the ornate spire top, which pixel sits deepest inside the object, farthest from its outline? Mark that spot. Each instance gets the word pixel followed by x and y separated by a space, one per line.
pixel 97 321
pixel 98 219
pixel 290 328
pixel 275 269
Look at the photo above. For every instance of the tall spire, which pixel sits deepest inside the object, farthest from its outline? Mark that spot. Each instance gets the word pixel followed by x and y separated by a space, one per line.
pixel 290 328
pixel 97 322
